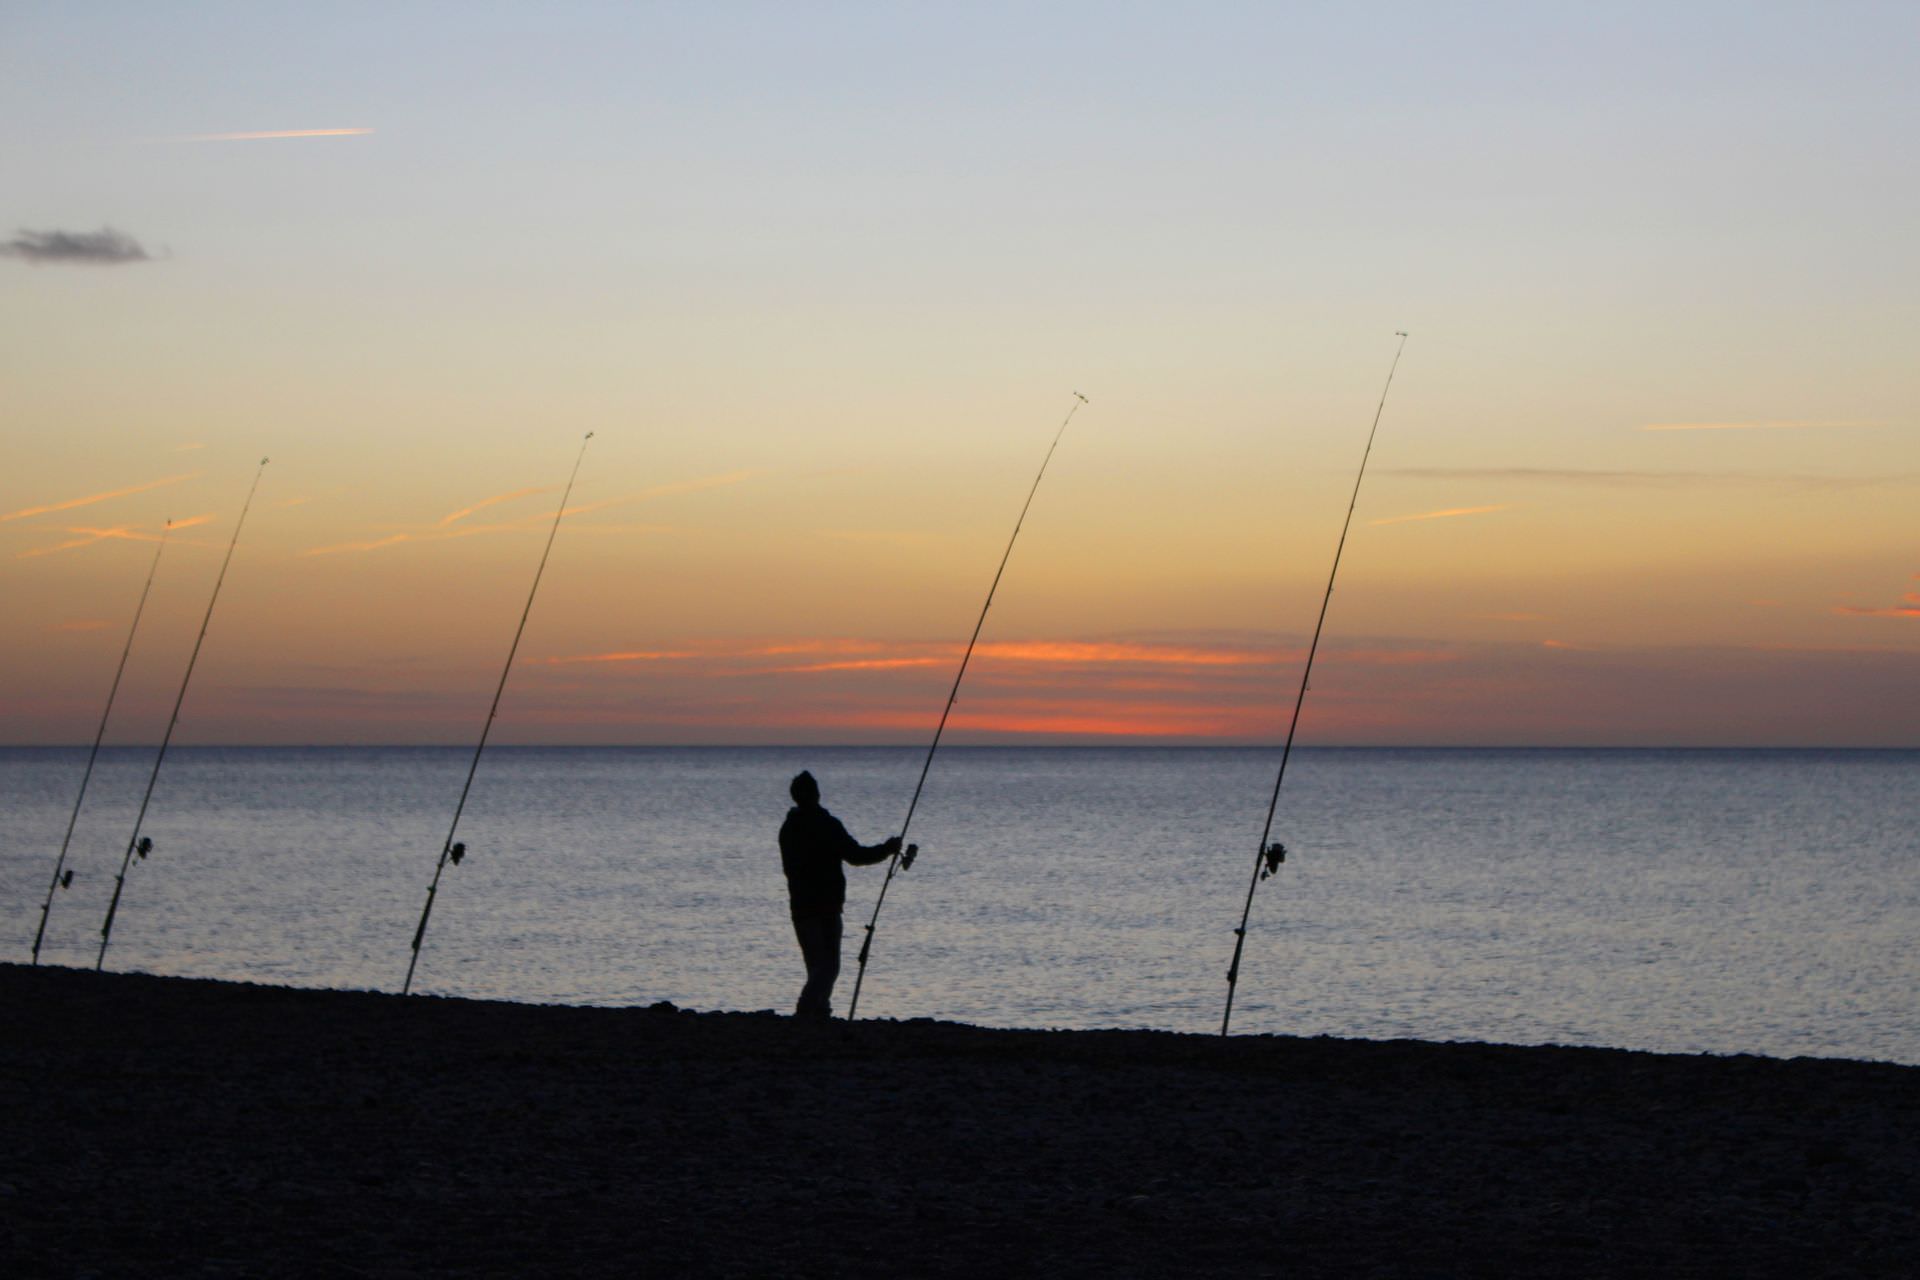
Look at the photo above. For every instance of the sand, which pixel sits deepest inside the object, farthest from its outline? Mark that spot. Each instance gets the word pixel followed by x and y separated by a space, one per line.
pixel 164 1126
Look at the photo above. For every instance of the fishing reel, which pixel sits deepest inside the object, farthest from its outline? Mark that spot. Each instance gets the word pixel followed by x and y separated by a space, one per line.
pixel 457 852
pixel 1272 856
pixel 66 881
pixel 907 856
pixel 144 848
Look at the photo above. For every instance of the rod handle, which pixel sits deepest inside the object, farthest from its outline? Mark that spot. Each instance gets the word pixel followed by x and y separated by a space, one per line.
pixel 420 930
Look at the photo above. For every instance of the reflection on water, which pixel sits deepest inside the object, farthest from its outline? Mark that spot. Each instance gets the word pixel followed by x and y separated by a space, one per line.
pixel 1704 900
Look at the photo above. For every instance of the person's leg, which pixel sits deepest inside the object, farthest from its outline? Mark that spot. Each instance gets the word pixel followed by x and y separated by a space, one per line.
pixel 829 961
pixel 820 946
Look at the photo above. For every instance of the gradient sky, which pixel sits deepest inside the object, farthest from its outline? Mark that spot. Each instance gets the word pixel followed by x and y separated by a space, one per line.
pixel 822 279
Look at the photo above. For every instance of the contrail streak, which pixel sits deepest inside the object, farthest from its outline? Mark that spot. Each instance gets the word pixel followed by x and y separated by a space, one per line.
pixel 674 489
pixel 440 530
pixel 265 135
pixel 1442 515
pixel 90 499
pixel 388 541
pixel 89 536
pixel 693 486
pixel 1786 425
pixel 497 498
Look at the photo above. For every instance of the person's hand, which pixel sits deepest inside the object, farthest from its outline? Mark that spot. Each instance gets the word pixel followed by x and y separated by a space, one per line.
pixel 891 844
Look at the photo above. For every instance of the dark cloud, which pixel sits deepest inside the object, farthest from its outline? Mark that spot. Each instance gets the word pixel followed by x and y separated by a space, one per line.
pixel 103 247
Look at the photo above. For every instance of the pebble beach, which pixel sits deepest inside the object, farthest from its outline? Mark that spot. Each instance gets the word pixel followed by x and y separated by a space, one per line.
pixel 169 1126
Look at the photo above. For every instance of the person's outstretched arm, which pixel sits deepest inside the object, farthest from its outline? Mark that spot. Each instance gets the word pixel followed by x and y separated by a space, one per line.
pixel 867 855
pixel 863 855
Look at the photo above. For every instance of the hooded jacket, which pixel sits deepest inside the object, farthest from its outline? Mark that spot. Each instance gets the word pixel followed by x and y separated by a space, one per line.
pixel 813 845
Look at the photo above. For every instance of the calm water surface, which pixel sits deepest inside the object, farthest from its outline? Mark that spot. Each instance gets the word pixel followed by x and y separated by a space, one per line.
pixel 1720 901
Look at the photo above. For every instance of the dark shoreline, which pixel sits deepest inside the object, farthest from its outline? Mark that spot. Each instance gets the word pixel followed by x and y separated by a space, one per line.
pixel 163 1126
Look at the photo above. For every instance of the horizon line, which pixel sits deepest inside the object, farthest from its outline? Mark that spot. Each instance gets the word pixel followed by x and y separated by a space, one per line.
pixel 1184 745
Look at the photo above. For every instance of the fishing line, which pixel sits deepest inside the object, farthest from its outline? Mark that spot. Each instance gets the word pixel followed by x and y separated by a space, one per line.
pixel 61 861
pixel 136 843
pixel 449 851
pixel 907 851
pixel 1267 858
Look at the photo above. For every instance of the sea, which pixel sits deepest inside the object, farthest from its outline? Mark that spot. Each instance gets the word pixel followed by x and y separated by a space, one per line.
pixel 1695 901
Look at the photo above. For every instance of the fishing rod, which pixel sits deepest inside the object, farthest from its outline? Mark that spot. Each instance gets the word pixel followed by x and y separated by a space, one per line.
pixel 136 843
pixel 60 881
pixel 903 858
pixel 1267 858
pixel 449 851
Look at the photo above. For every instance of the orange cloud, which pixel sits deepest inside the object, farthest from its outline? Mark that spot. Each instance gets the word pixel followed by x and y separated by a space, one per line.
pixel 636 655
pixel 823 646
pixel 1173 722
pixel 1388 657
pixel 863 664
pixel 1085 652
pixel 1909 608
pixel 1108 666
pixel 70 503
pixel 1506 693
pixel 1514 617
pixel 870 655
pixel 1446 514
pixel 1109 720
pixel 1039 652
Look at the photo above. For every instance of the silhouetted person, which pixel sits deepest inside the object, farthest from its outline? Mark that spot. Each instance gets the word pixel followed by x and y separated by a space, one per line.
pixel 813 844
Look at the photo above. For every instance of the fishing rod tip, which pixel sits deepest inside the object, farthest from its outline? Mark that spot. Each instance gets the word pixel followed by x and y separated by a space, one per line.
pixel 1399 333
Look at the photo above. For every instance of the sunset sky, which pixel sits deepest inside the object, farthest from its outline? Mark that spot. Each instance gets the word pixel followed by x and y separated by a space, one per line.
pixel 823 279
